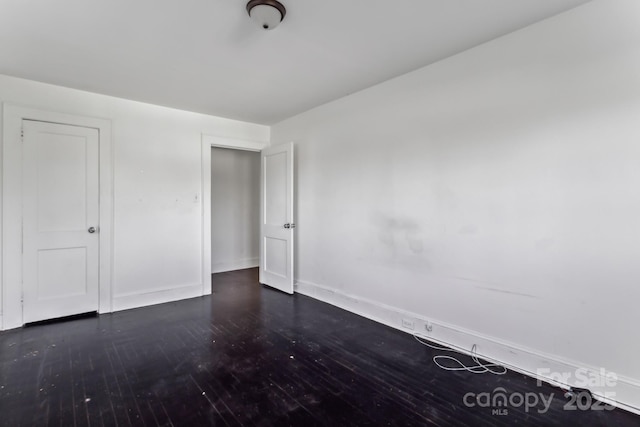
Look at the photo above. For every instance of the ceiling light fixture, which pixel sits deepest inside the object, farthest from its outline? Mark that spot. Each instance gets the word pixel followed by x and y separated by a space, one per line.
pixel 266 13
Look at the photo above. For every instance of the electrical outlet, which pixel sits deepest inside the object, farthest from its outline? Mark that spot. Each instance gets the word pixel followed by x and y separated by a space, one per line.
pixel 408 323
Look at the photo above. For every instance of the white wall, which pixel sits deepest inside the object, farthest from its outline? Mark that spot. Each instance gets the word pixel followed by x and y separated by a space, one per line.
pixel 158 236
pixel 235 209
pixel 495 193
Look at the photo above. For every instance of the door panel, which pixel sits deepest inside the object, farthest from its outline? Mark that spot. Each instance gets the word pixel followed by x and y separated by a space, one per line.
pixel 60 204
pixel 61 182
pixel 275 261
pixel 276 191
pixel 277 223
pixel 62 273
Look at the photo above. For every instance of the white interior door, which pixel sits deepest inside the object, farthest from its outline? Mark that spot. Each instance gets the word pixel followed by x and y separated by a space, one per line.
pixel 60 220
pixel 276 218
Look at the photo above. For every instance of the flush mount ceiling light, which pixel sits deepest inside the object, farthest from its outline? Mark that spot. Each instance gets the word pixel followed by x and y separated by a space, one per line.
pixel 266 13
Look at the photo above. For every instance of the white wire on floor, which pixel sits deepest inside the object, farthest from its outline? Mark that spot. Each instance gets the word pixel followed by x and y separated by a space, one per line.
pixel 457 365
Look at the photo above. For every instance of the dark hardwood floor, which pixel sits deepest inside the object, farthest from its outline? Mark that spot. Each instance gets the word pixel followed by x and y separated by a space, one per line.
pixel 249 355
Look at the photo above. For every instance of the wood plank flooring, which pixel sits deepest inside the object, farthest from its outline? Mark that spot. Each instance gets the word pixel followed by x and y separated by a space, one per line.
pixel 248 355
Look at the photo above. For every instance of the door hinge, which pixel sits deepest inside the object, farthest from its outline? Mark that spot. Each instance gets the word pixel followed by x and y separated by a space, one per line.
pixel 21 134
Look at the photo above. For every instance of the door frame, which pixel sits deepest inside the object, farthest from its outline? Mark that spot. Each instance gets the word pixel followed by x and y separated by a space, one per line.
pixel 11 255
pixel 208 142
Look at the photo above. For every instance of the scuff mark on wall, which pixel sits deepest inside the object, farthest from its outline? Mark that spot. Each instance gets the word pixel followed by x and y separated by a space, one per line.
pixel 503 291
pixel 468 229
pixel 393 230
pixel 494 289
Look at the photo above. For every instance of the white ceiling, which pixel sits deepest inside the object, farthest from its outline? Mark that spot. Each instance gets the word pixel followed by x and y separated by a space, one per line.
pixel 208 56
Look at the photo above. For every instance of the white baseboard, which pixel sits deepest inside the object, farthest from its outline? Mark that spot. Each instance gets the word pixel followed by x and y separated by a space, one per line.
pixel 241 264
pixel 142 299
pixel 626 392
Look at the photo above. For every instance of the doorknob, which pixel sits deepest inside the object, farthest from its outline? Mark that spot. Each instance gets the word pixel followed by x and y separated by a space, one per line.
pixel 292 225
pixel 91 230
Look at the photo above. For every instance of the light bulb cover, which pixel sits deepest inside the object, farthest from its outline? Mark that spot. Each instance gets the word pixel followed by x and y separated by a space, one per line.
pixel 266 13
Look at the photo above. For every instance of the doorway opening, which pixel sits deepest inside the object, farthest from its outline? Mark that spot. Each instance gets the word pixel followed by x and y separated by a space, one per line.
pixel 235 209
